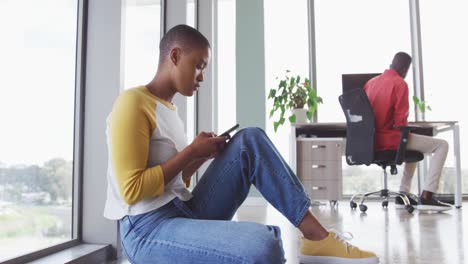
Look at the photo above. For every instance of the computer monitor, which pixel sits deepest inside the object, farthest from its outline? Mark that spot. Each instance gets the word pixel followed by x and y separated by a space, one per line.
pixel 356 80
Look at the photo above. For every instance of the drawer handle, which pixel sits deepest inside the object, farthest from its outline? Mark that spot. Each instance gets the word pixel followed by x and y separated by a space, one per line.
pixel 318 146
pixel 319 188
pixel 318 166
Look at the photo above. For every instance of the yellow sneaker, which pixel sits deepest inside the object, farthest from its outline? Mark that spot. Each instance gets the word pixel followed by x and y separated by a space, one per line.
pixel 334 249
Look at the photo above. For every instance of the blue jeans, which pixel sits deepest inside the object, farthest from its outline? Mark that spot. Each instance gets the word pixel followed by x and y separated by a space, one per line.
pixel 200 230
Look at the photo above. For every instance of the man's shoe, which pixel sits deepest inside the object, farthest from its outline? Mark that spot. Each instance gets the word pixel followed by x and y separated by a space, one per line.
pixel 334 249
pixel 432 205
pixel 413 199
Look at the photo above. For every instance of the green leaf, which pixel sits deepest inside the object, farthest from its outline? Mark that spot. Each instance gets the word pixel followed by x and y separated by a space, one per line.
pixel 422 107
pixel 275 103
pixel 298 79
pixel 281 121
pixel 291 82
pixel 309 115
pixel 282 84
pixel 276 125
pixel 313 108
pixel 284 93
pixel 292 118
pixel 272 93
pixel 272 112
pixel 313 93
pixel 415 100
pixel 429 108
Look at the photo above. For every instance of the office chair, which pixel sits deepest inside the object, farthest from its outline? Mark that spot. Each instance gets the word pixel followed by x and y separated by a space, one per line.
pixel 360 131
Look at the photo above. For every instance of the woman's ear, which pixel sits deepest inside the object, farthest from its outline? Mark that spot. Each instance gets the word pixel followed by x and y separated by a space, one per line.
pixel 174 55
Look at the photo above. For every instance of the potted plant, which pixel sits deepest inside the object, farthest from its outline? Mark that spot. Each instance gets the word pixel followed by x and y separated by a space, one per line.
pixel 293 93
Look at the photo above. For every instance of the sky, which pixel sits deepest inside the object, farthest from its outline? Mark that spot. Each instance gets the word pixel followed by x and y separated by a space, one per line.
pixel 38 78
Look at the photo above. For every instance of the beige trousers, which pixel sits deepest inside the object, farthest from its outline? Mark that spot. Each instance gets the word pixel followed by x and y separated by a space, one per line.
pixel 434 147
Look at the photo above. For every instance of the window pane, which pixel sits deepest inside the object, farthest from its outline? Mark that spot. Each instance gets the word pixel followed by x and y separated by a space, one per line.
pixel 191 13
pixel 358 37
pixel 37 106
pixel 191 107
pixel 191 100
pixel 286 48
pixel 226 63
pixel 444 74
pixel 141 42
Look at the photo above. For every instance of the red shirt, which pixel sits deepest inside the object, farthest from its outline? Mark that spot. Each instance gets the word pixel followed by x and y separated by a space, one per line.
pixel 388 95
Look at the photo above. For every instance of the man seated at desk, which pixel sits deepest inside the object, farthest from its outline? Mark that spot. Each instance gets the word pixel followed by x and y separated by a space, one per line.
pixel 388 95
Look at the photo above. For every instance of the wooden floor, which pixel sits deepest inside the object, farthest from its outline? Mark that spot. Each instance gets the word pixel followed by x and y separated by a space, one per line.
pixel 396 236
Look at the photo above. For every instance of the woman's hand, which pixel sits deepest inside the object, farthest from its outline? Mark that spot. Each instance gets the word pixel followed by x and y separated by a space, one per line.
pixel 207 145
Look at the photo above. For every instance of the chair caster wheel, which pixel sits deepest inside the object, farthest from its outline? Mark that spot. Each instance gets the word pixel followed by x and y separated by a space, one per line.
pixel 353 204
pixel 363 208
pixel 385 204
pixel 409 208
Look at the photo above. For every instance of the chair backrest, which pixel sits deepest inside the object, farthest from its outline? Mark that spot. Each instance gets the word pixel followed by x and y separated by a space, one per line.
pixel 360 127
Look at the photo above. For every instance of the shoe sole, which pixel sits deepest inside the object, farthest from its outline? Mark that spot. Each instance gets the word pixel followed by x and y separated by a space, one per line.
pixel 335 260
pixel 433 208
pixel 402 206
pixel 399 206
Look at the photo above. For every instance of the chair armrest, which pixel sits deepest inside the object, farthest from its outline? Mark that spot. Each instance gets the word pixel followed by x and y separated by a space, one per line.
pixel 404 133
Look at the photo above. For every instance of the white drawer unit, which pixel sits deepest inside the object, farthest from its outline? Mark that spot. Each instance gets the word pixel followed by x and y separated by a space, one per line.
pixel 318 166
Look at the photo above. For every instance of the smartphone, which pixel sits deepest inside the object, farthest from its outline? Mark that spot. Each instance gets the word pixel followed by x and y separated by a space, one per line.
pixel 226 134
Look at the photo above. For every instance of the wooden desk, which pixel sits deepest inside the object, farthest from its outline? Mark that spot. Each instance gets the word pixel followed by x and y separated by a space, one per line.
pixel 338 130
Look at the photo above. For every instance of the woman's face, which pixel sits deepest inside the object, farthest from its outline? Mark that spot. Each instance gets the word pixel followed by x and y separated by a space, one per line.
pixel 190 70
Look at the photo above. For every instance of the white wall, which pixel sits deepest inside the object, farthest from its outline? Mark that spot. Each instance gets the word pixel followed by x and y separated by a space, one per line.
pixel 103 84
pixel 250 63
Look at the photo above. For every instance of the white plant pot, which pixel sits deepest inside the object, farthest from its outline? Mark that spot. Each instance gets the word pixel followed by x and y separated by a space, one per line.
pixel 301 115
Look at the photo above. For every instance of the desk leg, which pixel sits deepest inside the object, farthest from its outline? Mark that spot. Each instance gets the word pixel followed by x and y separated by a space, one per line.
pixel 293 149
pixel 458 177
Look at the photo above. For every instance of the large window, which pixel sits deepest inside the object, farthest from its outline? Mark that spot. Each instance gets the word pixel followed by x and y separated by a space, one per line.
pixel 226 63
pixel 191 101
pixel 37 104
pixel 286 48
pixel 358 37
pixel 444 57
pixel 191 107
pixel 142 32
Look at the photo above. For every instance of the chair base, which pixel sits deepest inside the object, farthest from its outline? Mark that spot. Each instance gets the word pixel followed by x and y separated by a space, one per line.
pixel 385 194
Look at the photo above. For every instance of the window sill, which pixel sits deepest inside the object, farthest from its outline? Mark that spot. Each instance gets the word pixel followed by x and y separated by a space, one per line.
pixel 82 253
